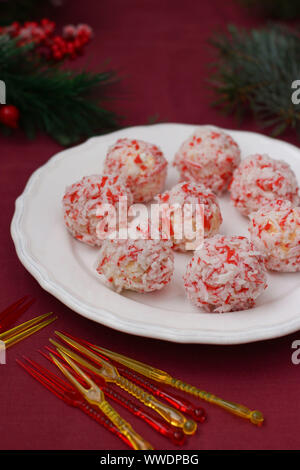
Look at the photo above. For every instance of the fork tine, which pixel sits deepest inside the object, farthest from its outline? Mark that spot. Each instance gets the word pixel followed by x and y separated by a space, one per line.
pixel 47 356
pixel 75 338
pixel 12 307
pixel 45 377
pixel 11 317
pixel 24 326
pixel 79 371
pixel 87 352
pixel 80 360
pixel 12 340
pixel 95 376
pixel 60 357
pixel 67 374
pixel 83 342
pixel 43 380
pixel 48 374
pixel 44 354
pixel 52 351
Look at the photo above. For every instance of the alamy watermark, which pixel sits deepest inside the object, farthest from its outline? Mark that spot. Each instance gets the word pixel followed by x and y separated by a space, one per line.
pixel 296 94
pixel 296 354
pixel 2 353
pixel 157 222
pixel 2 92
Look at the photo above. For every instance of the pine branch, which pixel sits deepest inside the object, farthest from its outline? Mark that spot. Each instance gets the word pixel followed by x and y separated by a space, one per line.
pixel 61 103
pixel 255 71
pixel 279 9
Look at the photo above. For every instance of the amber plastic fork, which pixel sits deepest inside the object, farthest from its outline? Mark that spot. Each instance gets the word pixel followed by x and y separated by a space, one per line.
pixel 110 374
pixel 254 416
pixel 196 412
pixel 95 396
pixel 176 435
pixel 67 393
pixel 20 332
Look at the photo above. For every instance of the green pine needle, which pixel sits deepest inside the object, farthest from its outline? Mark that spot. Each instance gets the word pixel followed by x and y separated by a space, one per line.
pixel 63 104
pixel 279 9
pixel 255 71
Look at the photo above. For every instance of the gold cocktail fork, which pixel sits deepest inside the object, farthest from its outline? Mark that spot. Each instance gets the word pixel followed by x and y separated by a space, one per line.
pixel 254 416
pixel 95 396
pixel 22 331
pixel 110 374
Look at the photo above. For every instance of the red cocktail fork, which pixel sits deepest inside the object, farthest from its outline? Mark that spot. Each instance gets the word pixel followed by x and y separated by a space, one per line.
pixel 181 404
pixel 176 435
pixel 66 392
pixel 185 406
pixel 11 314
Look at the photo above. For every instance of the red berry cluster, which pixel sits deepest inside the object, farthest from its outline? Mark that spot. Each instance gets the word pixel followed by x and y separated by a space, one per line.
pixel 48 45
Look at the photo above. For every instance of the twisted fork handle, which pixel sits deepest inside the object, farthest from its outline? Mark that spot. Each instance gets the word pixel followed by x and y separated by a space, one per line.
pixel 95 414
pixel 176 435
pixel 137 442
pixel 171 415
pixel 182 404
pixel 254 416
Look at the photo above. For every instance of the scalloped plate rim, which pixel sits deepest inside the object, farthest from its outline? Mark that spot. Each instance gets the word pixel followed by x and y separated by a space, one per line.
pixel 108 318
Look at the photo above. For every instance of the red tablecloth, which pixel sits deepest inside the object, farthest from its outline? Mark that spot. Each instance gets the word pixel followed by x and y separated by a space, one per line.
pixel 160 49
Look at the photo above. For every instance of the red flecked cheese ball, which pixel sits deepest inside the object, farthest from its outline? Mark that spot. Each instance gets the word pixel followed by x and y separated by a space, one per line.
pixel 260 179
pixel 227 274
pixel 275 232
pixel 191 194
pixel 81 203
pixel 141 265
pixel 140 164
pixel 209 157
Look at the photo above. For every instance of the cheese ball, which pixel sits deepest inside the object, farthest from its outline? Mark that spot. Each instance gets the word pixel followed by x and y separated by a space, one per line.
pixel 192 193
pixel 226 274
pixel 82 201
pixel 138 265
pixel 142 166
pixel 260 179
pixel 275 231
pixel 209 157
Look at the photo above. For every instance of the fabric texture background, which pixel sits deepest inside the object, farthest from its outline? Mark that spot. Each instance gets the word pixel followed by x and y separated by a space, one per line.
pixel 160 49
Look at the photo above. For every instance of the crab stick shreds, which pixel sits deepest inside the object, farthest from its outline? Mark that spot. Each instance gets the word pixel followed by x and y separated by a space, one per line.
pixel 192 194
pixel 82 201
pixel 139 265
pixel 209 157
pixel 275 231
pixel 226 274
pixel 141 164
pixel 260 179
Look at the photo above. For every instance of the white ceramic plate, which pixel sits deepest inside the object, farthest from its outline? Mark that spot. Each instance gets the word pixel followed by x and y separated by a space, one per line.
pixel 64 266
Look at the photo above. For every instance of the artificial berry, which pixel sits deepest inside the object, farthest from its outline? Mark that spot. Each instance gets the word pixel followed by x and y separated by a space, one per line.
pixel 69 31
pixel 69 45
pixel 9 115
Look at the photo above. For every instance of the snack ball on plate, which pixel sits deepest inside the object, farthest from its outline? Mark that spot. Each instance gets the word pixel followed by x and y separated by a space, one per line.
pixel 142 166
pixel 260 179
pixel 138 265
pixel 192 193
pixel 275 231
pixel 226 274
pixel 83 199
pixel 209 157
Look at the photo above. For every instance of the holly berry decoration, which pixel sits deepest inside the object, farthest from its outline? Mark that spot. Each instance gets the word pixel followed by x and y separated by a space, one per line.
pixel 9 115
pixel 46 43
